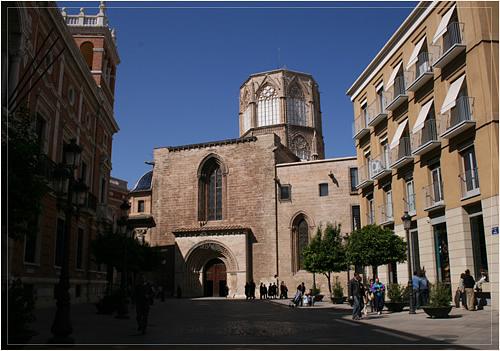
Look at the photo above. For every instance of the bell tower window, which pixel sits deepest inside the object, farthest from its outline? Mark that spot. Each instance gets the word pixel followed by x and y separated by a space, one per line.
pixel 268 107
pixel 87 50
pixel 210 192
pixel 296 107
pixel 300 147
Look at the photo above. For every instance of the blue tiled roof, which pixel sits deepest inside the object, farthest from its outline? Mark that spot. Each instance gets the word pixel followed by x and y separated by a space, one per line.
pixel 144 182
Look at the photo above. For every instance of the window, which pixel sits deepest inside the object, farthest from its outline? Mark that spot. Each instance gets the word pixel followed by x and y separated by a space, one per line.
pixel 410 197
pixel 415 253
pixel 59 250
pixel 380 98
pixel 323 189
pixel 399 83
pixel 296 107
pixel 300 147
pixel 87 50
pixel 210 190
pixel 103 190
pixel 353 177
pixel 83 172
pixel 71 95
pixel 392 268
pixel 470 177
pixel 364 115
pixel 437 184
pixel 247 124
pixel 301 239
pixel 41 128
pixel 140 206
pixel 355 217
pixel 268 107
pixel 79 249
pixel 371 209
pixel 384 145
pixel 285 192
pixel 388 204
pixel 441 250
pixel 478 245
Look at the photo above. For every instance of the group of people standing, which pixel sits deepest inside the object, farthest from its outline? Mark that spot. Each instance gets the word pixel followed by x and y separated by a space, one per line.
pixel 271 292
pixel 420 287
pixel 469 291
pixel 363 296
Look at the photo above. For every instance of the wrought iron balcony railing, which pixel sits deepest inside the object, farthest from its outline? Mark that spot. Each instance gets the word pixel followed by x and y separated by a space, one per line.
pixel 458 119
pixel 425 139
pixel 401 154
pixel 449 45
pixel 469 183
pixel 433 195
pixel 421 72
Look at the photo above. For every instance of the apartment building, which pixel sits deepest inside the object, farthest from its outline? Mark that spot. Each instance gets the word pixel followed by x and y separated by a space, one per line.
pixel 426 136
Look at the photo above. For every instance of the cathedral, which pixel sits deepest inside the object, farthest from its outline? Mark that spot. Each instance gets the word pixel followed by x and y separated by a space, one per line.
pixel 232 211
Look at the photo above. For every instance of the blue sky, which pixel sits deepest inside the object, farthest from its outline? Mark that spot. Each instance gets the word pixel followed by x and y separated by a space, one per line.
pixel 181 68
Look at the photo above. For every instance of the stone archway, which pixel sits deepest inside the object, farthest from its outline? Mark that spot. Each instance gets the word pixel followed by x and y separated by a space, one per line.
pixel 200 261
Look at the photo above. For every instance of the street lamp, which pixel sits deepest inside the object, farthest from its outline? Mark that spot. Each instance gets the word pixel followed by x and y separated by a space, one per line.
pixel 72 192
pixel 407 225
pixel 123 229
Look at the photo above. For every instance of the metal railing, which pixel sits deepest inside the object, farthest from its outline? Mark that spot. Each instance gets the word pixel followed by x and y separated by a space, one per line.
pixel 428 133
pixel 364 174
pixel 376 108
pixel 461 112
pixel 454 35
pixel 380 164
pixel 469 182
pixel 385 212
pixel 397 89
pixel 422 66
pixel 433 194
pixel 361 122
pixel 402 150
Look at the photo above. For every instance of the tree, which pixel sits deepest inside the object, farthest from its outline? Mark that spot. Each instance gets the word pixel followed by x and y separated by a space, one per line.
pixel 374 246
pixel 326 253
pixel 25 186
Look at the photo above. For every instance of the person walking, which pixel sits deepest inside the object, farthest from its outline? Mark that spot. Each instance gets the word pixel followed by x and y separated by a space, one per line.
pixel 378 290
pixel 354 288
pixel 261 288
pixel 424 289
pixel 461 288
pixel 415 282
pixel 247 291
pixel 143 295
pixel 361 300
pixel 469 283
pixel 371 296
pixel 265 292
pixel 252 290
pixel 479 298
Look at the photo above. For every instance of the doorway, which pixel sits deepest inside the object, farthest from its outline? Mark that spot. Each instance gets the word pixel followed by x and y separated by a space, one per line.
pixel 215 278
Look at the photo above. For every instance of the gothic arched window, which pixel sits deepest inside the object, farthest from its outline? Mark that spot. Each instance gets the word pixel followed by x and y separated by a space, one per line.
pixel 296 107
pixel 300 241
pixel 300 147
pixel 210 191
pixel 268 107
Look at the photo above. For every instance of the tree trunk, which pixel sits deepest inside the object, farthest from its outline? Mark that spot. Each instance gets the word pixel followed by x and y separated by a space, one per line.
pixel 328 277
pixel 375 272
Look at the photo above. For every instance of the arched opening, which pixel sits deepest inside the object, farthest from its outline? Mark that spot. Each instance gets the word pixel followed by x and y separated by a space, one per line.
pixel 215 278
pixel 300 239
pixel 87 50
pixel 300 147
pixel 268 106
pixel 296 106
pixel 210 190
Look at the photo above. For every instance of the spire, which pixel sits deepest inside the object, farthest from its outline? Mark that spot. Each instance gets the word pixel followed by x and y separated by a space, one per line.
pixel 314 148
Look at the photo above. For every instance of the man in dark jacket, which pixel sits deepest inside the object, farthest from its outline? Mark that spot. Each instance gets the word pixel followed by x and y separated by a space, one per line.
pixel 469 283
pixel 354 288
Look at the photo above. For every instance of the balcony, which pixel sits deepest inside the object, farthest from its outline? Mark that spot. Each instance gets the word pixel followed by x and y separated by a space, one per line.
pixel 433 195
pixel 360 126
pixel 425 139
pixel 450 45
pixel 370 218
pixel 396 94
pixel 458 119
pixel 364 177
pixel 420 73
pixel 379 167
pixel 410 204
pixel 469 183
pixel 401 154
pixel 386 214
pixel 377 112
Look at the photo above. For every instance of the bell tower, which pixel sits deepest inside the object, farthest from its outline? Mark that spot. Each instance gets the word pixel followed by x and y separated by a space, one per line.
pixel 285 103
pixel 97 44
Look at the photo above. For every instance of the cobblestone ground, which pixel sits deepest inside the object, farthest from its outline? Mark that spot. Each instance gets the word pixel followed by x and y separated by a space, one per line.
pixel 215 323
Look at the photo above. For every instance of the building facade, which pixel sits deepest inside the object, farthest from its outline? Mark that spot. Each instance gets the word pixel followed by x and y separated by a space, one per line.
pixel 426 136
pixel 61 69
pixel 236 210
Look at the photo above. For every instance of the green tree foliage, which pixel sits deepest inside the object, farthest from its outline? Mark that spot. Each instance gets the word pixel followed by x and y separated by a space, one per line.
pixel 26 187
pixel 373 246
pixel 325 253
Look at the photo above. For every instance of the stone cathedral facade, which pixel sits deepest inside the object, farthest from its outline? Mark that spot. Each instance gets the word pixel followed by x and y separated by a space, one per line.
pixel 235 210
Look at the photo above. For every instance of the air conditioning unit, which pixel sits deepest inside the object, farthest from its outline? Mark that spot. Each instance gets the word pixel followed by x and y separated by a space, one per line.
pixel 376 167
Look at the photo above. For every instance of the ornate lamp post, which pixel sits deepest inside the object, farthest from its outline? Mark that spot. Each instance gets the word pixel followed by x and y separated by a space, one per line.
pixel 406 225
pixel 123 228
pixel 72 193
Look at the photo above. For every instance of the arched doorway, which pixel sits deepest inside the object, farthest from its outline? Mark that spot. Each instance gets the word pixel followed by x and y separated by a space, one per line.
pixel 215 278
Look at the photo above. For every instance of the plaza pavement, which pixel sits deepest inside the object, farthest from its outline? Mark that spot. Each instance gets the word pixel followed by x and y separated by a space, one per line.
pixel 221 323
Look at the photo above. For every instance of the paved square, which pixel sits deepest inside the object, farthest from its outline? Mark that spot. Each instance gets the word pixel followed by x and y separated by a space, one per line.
pixel 200 323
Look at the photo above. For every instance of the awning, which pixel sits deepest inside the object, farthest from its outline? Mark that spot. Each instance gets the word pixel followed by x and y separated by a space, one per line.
pixel 451 96
pixel 379 86
pixel 414 54
pixel 424 111
pixel 363 102
pixel 443 25
pixel 393 75
pixel 397 136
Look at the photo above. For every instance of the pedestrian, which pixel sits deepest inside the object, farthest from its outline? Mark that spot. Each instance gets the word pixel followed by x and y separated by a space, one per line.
pixel 378 290
pixel 261 288
pixel 285 291
pixel 247 291
pixel 480 299
pixel 469 283
pixel 354 288
pixel 361 300
pixel 423 289
pixel 265 292
pixel 303 288
pixel 297 299
pixel 143 295
pixel 371 296
pixel 415 282
pixel 461 287
pixel 252 290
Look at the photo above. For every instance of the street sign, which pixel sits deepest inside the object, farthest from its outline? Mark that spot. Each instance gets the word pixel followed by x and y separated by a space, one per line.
pixel 494 231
